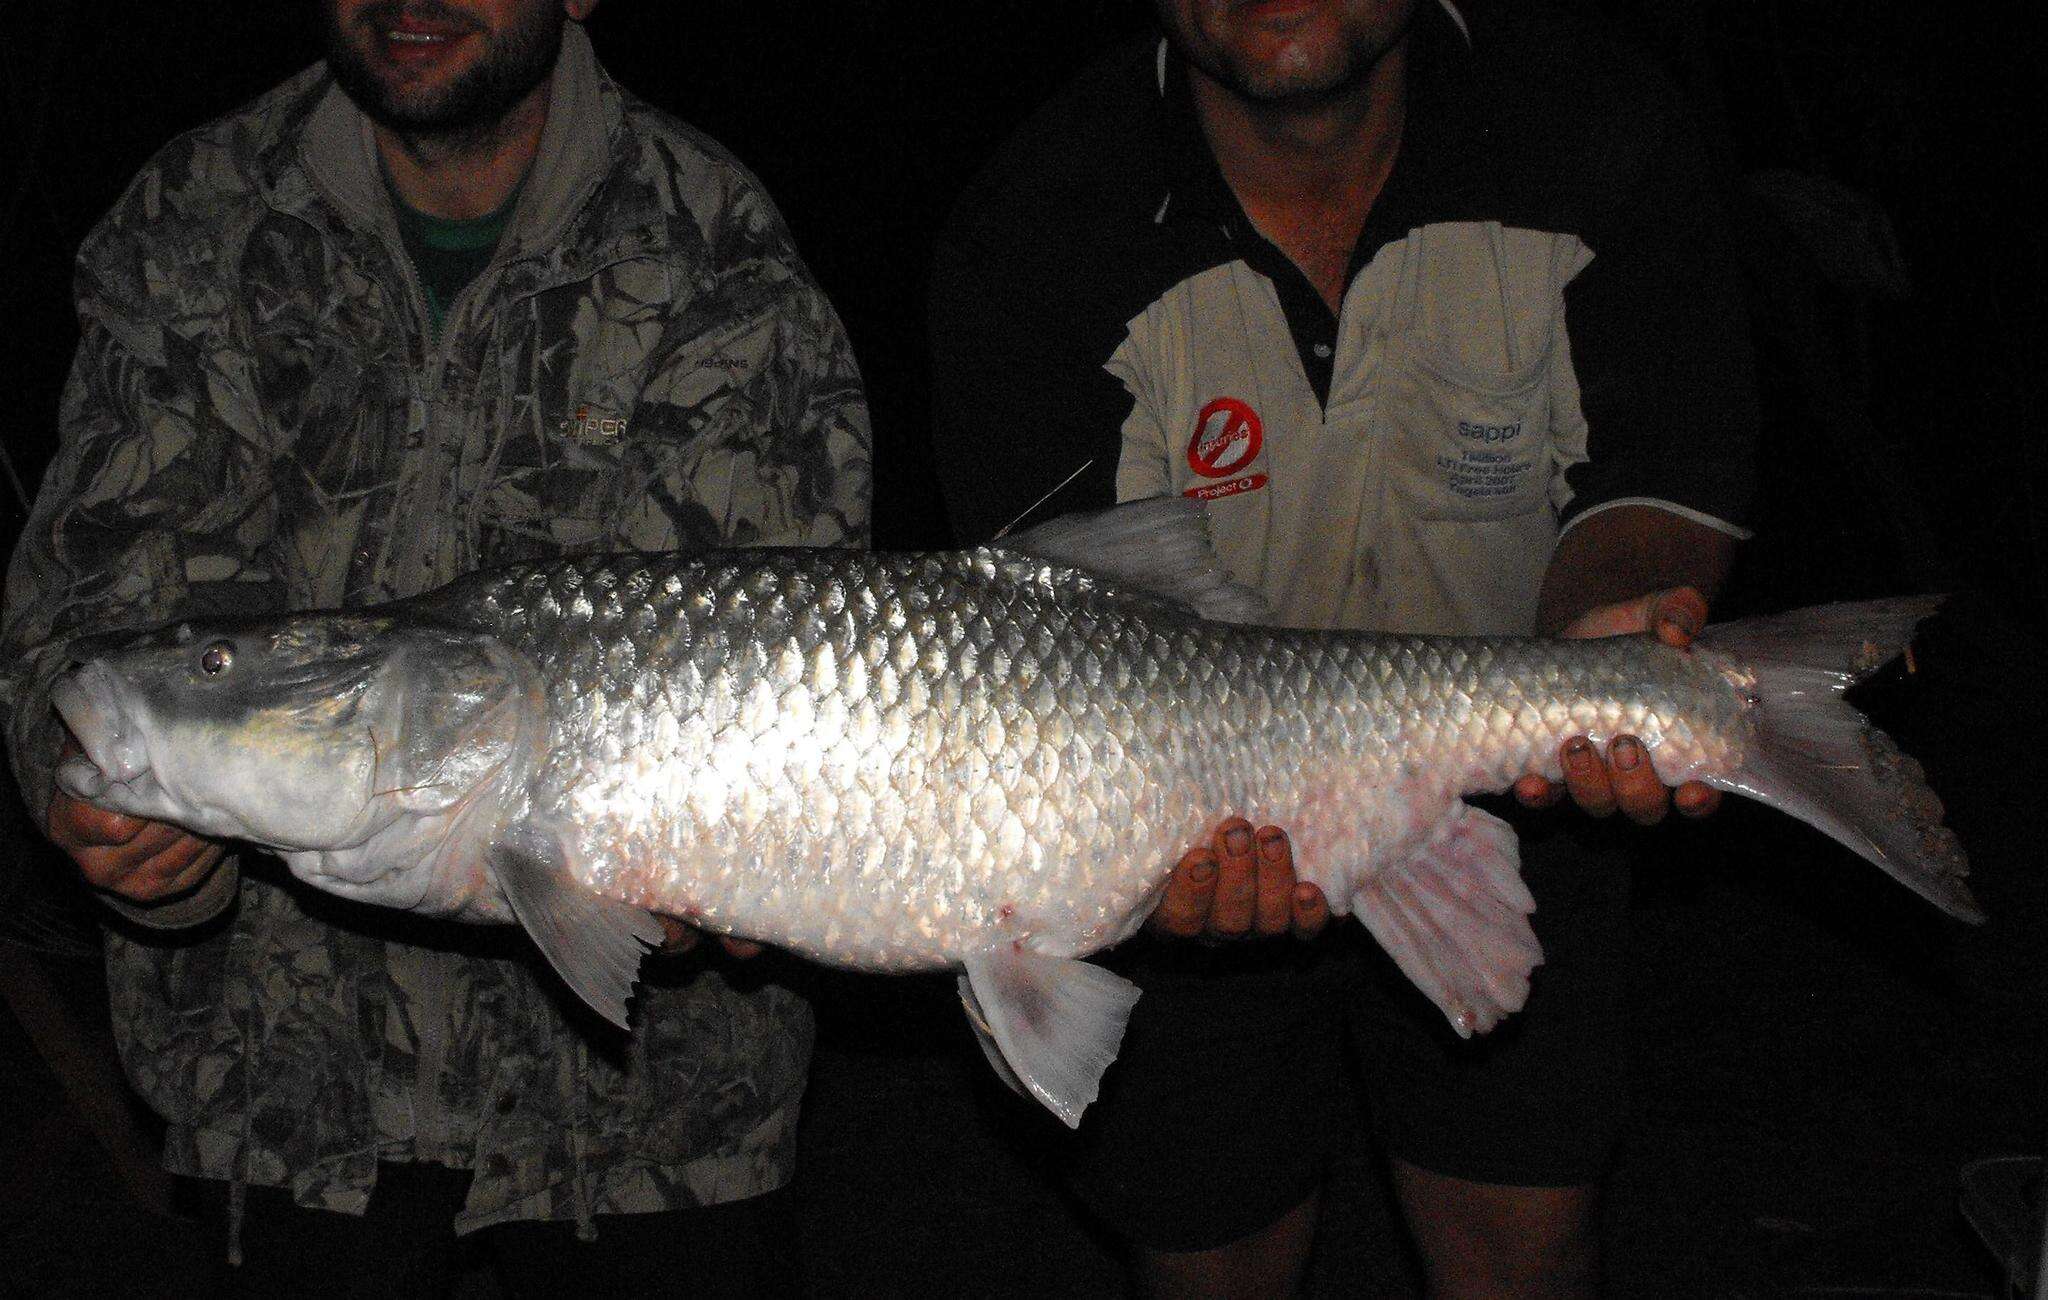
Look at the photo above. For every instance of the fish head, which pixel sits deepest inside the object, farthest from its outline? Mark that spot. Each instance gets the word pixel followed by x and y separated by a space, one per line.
pixel 354 744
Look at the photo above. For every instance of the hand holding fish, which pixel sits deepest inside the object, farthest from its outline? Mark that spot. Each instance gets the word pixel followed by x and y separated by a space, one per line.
pixel 1625 781
pixel 1240 884
pixel 679 936
pixel 137 859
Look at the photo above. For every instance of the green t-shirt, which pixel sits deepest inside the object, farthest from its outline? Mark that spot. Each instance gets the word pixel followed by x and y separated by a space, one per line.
pixel 448 253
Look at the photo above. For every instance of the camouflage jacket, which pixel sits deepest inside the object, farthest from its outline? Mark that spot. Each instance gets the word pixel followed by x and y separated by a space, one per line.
pixel 259 417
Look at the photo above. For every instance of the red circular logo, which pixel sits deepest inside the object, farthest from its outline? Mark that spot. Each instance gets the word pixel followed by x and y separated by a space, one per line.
pixel 1227 438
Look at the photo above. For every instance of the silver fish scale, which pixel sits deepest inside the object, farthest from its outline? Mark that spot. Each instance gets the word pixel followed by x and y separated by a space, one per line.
pixel 891 761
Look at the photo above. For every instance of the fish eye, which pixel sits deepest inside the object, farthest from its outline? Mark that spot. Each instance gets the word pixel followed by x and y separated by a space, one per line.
pixel 217 658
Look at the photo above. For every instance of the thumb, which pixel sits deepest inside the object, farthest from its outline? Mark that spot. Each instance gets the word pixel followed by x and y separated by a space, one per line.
pixel 75 823
pixel 1677 615
pixel 676 936
pixel 1622 618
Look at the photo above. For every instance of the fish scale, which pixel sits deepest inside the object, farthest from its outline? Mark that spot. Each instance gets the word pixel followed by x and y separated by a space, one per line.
pixel 930 780
pixel 983 761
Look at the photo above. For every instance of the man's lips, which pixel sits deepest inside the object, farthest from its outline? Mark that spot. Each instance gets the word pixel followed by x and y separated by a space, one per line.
pixel 414 43
pixel 1274 10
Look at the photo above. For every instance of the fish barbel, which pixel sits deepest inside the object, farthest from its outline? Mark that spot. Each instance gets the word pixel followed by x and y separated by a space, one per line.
pixel 983 760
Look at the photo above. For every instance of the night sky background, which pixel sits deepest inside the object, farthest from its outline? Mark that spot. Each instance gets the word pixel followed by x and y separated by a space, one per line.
pixel 1881 162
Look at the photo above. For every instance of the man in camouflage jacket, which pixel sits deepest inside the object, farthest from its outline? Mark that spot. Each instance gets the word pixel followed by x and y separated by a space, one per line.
pixel 261 416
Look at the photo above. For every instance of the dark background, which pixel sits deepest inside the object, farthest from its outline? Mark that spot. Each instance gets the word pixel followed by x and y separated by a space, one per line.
pixel 1902 358
pixel 1818 1054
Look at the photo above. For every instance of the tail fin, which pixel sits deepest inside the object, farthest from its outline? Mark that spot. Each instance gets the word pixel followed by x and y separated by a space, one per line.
pixel 1821 761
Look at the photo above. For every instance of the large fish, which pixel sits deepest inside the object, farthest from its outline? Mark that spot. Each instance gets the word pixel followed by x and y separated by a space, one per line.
pixel 983 761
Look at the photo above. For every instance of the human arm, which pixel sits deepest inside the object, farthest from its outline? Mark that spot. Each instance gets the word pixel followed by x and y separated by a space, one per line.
pixel 1662 392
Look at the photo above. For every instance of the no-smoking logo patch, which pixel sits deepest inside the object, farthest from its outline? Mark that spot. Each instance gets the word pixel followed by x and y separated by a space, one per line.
pixel 1227 438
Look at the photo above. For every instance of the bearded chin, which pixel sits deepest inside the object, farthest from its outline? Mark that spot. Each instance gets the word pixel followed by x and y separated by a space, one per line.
pixel 519 58
pixel 1299 78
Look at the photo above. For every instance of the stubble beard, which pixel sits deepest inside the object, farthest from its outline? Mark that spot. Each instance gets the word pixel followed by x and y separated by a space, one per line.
pixel 1301 76
pixel 459 114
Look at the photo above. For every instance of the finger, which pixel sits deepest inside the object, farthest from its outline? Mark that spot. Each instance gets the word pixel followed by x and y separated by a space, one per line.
pixel 1638 789
pixel 156 839
pixel 675 936
pixel 75 824
pixel 1619 619
pixel 1533 791
pixel 1678 615
pixel 1585 776
pixel 1237 883
pixel 1696 799
pixel 1311 911
pixel 1274 912
pixel 125 867
pixel 187 864
pixel 1184 908
pixel 159 862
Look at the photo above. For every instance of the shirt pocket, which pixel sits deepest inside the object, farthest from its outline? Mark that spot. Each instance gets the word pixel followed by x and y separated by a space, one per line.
pixel 1464 444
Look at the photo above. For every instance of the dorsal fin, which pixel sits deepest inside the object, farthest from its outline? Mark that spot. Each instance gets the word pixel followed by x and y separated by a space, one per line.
pixel 1158 547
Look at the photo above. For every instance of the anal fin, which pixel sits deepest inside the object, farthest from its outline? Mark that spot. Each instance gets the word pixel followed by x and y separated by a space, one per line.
pixel 594 943
pixel 1049 1024
pixel 1454 916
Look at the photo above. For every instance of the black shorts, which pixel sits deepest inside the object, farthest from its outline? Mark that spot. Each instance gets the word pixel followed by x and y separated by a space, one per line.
pixel 1232 1085
pixel 405 1246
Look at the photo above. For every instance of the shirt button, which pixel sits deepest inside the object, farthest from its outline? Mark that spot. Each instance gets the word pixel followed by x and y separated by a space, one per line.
pixel 1323 350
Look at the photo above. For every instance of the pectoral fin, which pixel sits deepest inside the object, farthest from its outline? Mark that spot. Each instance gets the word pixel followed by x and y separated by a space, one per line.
pixel 1049 1024
pixel 594 943
pixel 1455 917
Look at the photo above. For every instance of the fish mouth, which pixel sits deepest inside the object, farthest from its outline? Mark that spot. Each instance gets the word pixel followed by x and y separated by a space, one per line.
pixel 89 700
